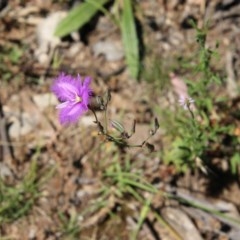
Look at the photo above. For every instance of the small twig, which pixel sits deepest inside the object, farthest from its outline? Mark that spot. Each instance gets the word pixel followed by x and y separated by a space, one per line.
pixel 231 78
pixel 5 150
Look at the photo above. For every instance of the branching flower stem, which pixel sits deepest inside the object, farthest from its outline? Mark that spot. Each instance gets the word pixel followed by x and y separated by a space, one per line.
pixel 117 140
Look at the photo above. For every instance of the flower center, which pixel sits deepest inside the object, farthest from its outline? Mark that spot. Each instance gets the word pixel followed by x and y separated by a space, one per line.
pixel 78 99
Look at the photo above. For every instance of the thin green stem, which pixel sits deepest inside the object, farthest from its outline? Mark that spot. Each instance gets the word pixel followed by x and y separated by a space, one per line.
pixel 191 112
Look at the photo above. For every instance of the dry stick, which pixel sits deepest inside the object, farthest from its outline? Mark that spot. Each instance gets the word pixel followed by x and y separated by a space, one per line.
pixel 6 152
pixel 49 62
pixel 232 87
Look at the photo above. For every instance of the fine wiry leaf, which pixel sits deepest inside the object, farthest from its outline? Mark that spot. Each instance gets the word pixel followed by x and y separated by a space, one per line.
pixel 118 126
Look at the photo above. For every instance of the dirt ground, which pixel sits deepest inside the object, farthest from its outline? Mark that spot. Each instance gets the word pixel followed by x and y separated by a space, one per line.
pixel 68 161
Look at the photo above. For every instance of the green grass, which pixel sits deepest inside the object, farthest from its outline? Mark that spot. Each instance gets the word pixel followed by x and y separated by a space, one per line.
pixel 17 201
pixel 69 228
pixel 10 55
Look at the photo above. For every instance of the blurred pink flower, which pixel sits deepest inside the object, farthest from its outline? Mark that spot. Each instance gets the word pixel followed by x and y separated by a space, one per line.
pixel 179 86
pixel 185 102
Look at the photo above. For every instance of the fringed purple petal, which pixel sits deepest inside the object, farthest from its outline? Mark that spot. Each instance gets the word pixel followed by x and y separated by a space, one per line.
pixel 86 91
pixel 87 82
pixel 62 105
pixel 66 87
pixel 71 114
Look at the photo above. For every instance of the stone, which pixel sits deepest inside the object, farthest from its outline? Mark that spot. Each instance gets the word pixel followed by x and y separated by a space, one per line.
pixel 112 50
pixel 46 35
pixel 181 223
pixel 5 171
pixel 22 125
pixel 45 100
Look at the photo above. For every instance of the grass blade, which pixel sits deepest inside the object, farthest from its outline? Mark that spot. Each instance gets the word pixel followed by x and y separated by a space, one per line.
pixel 129 37
pixel 78 17
pixel 143 214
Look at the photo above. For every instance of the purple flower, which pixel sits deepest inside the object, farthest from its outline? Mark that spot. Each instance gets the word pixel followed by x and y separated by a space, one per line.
pixel 74 95
pixel 185 102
